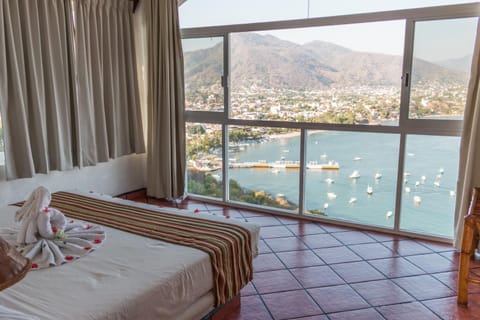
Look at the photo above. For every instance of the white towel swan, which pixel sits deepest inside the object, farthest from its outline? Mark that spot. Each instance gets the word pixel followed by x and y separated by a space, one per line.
pixel 44 235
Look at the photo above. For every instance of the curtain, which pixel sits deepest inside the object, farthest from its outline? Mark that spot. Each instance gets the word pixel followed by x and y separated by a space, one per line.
pixel 469 164
pixel 35 99
pixel 109 115
pixel 166 162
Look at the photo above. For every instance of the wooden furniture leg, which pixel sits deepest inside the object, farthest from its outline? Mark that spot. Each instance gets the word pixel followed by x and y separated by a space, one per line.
pixel 471 227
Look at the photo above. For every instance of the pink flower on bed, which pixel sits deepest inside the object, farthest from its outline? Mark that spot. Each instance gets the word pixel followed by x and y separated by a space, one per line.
pixel 72 221
pixel 97 241
pixel 69 258
pixel 46 210
pixel 87 248
pixel 196 210
pixel 54 229
pixel 88 226
pixel 34 266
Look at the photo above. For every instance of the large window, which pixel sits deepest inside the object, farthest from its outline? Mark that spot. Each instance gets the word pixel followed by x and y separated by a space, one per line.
pixel 353 118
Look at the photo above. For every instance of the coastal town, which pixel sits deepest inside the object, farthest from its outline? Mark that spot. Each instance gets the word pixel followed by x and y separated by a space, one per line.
pixel 364 105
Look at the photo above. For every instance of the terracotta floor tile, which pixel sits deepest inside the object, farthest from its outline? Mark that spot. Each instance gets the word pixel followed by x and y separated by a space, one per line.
pixel 192 205
pixel 432 263
pixel 267 262
pixel 275 232
pixel 319 276
pixel 250 213
pixel 293 304
pixel 447 308
pixel 455 256
pixel 381 237
pixel 353 272
pixel 319 317
pixel 263 221
pixel 437 246
pixel 231 212
pixel 353 237
pixel 334 228
pixel 424 287
pixel 396 267
pixel 382 292
pixel 316 241
pixel 337 298
pixel 306 228
pixel 407 311
pixel 289 221
pixel 337 255
pixel 406 247
pixel 450 279
pixel 275 281
pixel 370 251
pixel 248 290
pixel 263 248
pixel 299 259
pixel 362 314
pixel 285 244
pixel 251 308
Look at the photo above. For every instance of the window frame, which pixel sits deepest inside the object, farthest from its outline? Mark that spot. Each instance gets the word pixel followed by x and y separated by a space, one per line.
pixel 406 126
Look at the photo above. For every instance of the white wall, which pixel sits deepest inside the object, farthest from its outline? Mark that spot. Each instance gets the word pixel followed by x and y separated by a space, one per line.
pixel 117 176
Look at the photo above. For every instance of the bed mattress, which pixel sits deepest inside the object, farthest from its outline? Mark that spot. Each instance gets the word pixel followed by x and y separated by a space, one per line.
pixel 129 277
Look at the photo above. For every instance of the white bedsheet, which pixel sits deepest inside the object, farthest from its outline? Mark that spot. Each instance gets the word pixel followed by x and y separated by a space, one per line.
pixel 130 277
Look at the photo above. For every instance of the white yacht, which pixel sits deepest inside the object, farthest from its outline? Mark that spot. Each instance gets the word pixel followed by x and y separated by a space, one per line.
pixel 369 190
pixel 355 175
pixel 378 175
pixel 331 195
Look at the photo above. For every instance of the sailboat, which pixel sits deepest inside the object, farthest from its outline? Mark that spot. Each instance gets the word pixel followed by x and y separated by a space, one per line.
pixel 369 190
pixel 355 175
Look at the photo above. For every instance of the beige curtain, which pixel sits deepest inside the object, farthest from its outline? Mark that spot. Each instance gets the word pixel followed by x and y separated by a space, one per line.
pixel 35 98
pixel 469 165
pixel 166 128
pixel 109 114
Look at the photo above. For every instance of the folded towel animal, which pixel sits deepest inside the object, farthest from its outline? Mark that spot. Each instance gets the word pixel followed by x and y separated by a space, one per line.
pixel 44 236
pixel 37 220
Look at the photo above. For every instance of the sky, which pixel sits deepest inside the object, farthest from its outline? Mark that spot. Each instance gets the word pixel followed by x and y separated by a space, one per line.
pixel 379 37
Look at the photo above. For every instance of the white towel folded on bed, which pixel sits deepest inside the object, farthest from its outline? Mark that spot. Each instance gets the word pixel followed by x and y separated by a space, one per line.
pixel 44 235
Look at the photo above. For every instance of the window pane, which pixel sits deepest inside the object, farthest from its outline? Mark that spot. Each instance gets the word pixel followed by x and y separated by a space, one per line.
pixel 202 13
pixel 203 61
pixel 204 159
pixel 339 74
pixel 428 199
pixel 264 166
pixel 442 58
pixel 362 187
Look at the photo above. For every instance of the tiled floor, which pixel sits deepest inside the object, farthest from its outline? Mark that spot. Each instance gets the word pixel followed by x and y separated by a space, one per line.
pixel 316 271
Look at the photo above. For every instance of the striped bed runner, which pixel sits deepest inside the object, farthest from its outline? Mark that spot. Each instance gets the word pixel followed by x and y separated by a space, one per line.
pixel 228 245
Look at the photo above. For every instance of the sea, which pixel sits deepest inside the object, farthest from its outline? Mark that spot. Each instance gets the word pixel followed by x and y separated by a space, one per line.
pixel 428 181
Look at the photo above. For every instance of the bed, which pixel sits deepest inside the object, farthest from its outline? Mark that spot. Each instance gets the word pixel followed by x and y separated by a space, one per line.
pixel 129 277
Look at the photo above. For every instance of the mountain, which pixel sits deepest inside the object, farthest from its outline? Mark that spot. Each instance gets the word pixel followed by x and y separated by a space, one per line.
pixel 269 62
pixel 462 64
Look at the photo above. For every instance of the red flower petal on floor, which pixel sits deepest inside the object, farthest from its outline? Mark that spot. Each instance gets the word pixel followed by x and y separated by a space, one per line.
pixel 196 210
pixel 228 217
pixel 88 227
pixel 46 210
pixel 54 229
pixel 69 258
pixel 97 241
pixel 87 248
pixel 71 221
pixel 34 266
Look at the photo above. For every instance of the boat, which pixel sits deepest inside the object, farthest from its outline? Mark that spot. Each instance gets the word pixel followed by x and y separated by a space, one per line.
pixel 331 195
pixel 357 158
pixel 407 189
pixel 378 175
pixel 331 165
pixel 441 171
pixel 452 193
pixel 329 180
pixel 355 175
pixel 369 190
pixel 285 151
pixel 352 200
pixel 325 205
pixel 417 200
pixel 423 178
pixel 406 174
pixel 417 183
pixel 389 214
pixel 436 183
pixel 323 156
pixel 275 171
